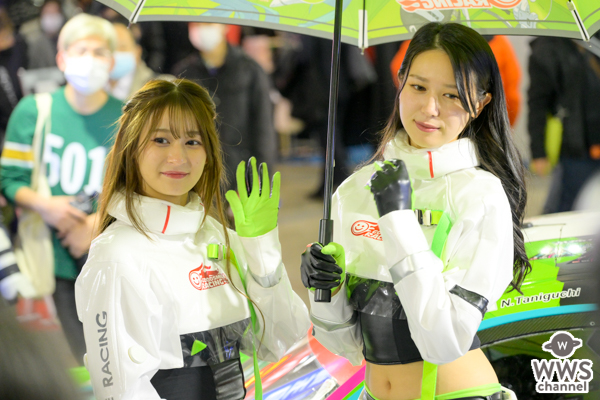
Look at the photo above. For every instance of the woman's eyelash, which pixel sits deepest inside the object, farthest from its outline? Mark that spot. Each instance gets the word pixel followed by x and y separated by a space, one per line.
pixel 449 95
pixel 160 140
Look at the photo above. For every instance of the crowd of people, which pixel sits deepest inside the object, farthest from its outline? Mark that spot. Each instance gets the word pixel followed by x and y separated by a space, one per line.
pixel 212 91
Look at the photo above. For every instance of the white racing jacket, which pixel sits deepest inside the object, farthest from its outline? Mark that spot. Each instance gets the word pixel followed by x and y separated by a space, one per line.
pixel 444 298
pixel 137 295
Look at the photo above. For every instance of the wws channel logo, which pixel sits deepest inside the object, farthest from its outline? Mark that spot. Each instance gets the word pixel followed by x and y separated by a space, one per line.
pixel 572 376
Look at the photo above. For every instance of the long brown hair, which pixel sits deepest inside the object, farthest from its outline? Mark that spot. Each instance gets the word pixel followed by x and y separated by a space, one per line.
pixel 476 73
pixel 186 102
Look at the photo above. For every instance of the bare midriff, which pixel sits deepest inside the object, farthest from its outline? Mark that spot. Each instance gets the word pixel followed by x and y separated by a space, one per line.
pixel 403 381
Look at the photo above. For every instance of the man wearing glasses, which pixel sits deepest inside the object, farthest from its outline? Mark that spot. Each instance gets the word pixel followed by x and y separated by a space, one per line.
pixel 76 143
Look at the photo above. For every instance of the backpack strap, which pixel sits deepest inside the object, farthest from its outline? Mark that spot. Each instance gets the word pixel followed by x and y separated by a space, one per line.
pixel 43 102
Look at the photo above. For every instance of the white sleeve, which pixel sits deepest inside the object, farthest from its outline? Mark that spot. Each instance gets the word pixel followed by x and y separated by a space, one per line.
pixel 122 326
pixel 335 326
pixel 445 304
pixel 286 319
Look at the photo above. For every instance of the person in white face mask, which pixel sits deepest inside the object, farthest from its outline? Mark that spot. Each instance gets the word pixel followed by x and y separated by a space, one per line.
pixel 41 35
pixel 130 72
pixel 240 89
pixel 77 138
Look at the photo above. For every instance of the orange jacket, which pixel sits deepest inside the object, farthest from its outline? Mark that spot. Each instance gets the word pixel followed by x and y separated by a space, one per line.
pixel 510 71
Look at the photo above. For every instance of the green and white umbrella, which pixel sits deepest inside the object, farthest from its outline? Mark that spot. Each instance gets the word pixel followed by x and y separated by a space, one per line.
pixel 372 22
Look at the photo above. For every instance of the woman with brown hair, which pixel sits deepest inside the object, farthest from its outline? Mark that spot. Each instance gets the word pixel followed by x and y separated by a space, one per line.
pixel 167 294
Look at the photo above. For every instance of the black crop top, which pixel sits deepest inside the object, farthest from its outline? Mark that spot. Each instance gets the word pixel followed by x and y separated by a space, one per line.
pixel 383 323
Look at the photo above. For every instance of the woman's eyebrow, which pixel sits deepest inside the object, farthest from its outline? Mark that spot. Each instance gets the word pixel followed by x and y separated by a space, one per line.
pixel 420 78
pixel 167 130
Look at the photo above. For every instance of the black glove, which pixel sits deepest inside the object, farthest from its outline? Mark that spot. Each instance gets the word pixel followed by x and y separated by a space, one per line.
pixel 391 187
pixel 319 271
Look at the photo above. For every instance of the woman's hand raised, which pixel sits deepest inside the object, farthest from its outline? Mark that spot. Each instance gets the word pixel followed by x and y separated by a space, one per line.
pixel 256 204
pixel 390 185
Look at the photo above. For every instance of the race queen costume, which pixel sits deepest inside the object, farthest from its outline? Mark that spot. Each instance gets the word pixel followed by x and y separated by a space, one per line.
pixel 418 281
pixel 167 302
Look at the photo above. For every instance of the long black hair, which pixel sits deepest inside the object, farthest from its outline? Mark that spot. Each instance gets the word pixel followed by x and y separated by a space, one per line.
pixel 476 73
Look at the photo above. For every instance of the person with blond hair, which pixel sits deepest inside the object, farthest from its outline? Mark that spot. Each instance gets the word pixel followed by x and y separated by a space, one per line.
pixel 169 297
pixel 77 139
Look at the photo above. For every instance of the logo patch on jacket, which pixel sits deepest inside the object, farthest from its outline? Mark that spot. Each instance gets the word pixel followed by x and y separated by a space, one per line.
pixel 207 277
pixel 366 229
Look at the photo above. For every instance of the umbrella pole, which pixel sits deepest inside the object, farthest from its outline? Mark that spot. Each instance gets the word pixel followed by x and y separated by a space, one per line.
pixel 326 224
pixel 584 33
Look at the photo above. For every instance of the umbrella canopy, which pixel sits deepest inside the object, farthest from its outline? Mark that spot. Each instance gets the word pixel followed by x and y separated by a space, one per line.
pixel 371 22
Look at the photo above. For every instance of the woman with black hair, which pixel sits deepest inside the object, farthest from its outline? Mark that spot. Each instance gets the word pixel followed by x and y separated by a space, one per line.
pixel 427 239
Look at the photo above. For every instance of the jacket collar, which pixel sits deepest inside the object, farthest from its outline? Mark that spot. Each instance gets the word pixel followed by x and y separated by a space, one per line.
pixel 160 216
pixel 432 163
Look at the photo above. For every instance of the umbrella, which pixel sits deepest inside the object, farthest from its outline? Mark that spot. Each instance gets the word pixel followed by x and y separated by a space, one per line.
pixel 370 22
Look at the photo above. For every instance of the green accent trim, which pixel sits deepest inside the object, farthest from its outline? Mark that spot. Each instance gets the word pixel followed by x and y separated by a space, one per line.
pixel 429 381
pixel 213 251
pixel 370 394
pixel 80 375
pixel 258 394
pixel 197 347
pixel 352 281
pixel 340 260
pixel 436 216
pixel 441 234
pixel 243 358
pixel 354 391
pixel 483 390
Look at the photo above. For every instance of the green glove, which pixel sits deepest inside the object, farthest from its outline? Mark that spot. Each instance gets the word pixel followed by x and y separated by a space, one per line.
pixel 336 251
pixel 323 267
pixel 256 213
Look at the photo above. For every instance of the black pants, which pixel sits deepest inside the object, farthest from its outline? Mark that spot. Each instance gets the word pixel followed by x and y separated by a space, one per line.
pixel 64 300
pixel 575 174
